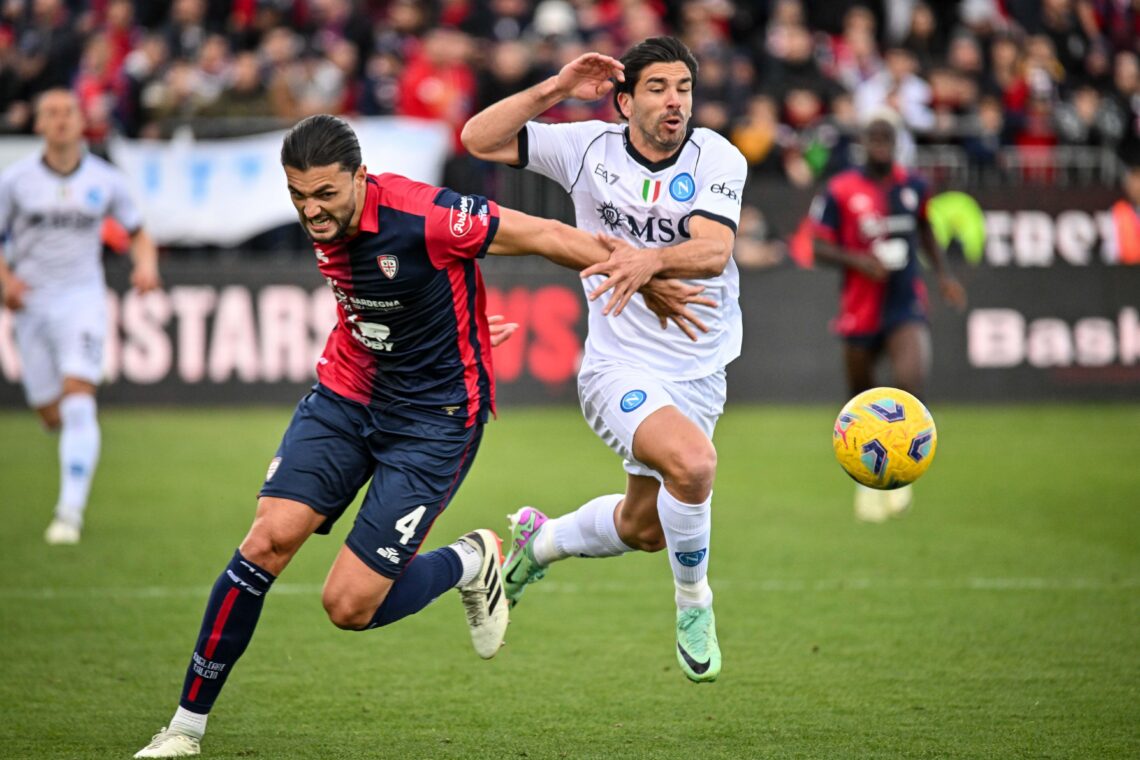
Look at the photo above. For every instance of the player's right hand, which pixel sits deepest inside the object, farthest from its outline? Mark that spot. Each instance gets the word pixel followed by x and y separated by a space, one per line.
pixel 14 289
pixel 868 266
pixel 669 300
pixel 589 76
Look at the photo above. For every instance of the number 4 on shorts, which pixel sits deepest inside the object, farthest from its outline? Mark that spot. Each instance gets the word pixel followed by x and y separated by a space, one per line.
pixel 406 525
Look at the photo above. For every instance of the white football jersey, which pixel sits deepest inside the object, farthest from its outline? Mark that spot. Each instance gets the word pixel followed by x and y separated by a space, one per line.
pixel 618 191
pixel 52 223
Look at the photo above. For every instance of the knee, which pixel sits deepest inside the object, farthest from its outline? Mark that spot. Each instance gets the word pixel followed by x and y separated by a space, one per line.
pixel 263 547
pixel 346 613
pixel 691 471
pixel 645 536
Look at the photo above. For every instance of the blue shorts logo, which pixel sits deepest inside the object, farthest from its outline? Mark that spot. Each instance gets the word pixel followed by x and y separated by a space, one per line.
pixel 632 400
pixel 691 559
pixel 683 188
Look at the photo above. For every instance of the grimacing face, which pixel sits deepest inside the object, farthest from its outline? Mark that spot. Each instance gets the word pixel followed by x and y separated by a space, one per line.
pixel 325 199
pixel 661 105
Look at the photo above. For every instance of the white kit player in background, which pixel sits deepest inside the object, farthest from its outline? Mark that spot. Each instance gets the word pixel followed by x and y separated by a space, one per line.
pixel 668 199
pixel 52 207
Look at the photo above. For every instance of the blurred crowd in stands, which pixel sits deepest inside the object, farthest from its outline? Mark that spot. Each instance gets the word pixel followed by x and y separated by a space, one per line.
pixel 788 81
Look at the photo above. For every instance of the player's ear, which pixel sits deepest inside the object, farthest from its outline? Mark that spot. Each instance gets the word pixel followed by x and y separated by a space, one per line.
pixel 361 176
pixel 625 100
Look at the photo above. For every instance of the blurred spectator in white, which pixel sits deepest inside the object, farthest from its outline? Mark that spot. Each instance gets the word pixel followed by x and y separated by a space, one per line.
pixel 142 71
pixel 1043 72
pixel 123 35
pixel 555 18
pixel 899 88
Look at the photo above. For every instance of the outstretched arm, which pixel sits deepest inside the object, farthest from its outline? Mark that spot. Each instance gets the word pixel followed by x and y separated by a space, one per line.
pixel 949 288
pixel 520 234
pixel 492 134
pixel 628 269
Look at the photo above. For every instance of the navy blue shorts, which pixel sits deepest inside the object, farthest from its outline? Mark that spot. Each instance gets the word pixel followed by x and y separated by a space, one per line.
pixel 876 341
pixel 333 446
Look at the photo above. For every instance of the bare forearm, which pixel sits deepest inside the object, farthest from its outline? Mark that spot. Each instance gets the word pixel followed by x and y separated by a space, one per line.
pixel 498 125
pixel 931 248
pixel 568 246
pixel 698 258
pixel 831 254
pixel 143 250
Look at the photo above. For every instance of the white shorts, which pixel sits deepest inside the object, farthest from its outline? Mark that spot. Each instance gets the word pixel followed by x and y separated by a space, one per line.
pixel 616 400
pixel 58 338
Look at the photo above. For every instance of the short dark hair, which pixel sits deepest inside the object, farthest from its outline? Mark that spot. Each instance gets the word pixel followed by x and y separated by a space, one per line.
pixel 321 140
pixel 649 51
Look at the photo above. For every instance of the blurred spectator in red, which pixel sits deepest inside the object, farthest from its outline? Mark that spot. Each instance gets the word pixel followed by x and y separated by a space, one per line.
pixel 98 90
pixel 1117 22
pixel 123 35
pixel 899 88
pixel 15 111
pixel 438 83
pixel 1007 75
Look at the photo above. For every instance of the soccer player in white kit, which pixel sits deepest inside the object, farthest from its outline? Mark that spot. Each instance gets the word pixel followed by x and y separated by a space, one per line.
pixel 668 198
pixel 52 207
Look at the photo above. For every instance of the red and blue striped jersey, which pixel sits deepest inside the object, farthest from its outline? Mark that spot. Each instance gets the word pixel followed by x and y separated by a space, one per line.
pixel 411 335
pixel 875 218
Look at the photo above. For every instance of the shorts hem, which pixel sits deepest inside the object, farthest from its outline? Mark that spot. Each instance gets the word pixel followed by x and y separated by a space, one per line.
pixel 367 558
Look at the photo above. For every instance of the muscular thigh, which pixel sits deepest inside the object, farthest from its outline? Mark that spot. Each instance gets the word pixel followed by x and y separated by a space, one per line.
pixel 418 470
pixel 618 400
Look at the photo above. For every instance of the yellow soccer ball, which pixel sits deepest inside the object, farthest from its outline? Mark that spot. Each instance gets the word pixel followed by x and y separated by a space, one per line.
pixel 885 438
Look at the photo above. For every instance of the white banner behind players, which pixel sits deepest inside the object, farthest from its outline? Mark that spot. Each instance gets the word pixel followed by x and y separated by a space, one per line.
pixel 223 192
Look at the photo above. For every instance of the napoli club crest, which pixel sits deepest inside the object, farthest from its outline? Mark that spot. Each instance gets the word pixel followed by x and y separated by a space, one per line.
pixel 389 265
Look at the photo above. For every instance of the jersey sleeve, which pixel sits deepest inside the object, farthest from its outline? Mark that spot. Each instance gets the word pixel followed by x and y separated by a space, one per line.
pixel 824 215
pixel 923 189
pixel 557 151
pixel 459 227
pixel 122 206
pixel 720 183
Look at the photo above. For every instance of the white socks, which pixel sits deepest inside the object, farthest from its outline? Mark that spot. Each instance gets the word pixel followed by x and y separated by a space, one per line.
pixel 687 529
pixel 78 455
pixel 470 560
pixel 588 531
pixel 188 723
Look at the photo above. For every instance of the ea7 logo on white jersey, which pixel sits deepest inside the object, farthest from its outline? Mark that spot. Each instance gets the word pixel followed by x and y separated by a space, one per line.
pixel 610 178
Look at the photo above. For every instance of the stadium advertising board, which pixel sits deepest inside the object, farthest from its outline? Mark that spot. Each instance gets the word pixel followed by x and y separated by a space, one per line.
pixel 250 331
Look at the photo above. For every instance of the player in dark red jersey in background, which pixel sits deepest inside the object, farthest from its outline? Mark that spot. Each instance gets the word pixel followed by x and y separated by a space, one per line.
pixel 404 387
pixel 871 222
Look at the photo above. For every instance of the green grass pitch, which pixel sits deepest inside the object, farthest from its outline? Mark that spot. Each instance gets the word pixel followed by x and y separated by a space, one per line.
pixel 1000 619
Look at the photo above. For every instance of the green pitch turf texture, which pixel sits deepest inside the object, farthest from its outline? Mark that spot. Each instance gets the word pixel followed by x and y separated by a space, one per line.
pixel 1000 619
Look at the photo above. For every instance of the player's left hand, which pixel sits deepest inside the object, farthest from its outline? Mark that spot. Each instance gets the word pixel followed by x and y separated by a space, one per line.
pixel 669 300
pixel 952 291
pixel 144 277
pixel 500 331
pixel 628 270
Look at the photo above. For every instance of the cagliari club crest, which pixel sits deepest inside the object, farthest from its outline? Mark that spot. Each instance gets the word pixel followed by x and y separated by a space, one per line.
pixel 389 265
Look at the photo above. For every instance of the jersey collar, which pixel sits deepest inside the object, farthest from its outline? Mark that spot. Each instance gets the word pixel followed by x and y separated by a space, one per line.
pixel 654 166
pixel 62 175
pixel 370 217
pixel 897 174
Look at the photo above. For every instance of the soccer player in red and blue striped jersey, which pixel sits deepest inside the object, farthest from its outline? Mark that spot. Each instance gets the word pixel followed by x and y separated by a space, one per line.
pixel 405 385
pixel 871 222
